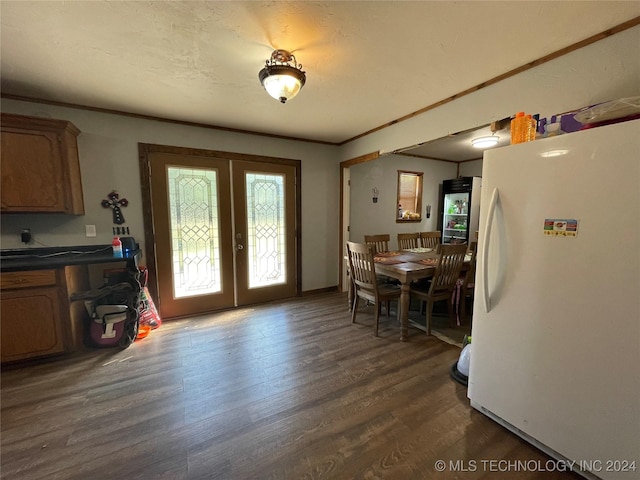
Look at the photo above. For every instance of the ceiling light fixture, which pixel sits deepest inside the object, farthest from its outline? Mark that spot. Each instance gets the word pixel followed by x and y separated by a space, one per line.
pixel 282 77
pixel 485 142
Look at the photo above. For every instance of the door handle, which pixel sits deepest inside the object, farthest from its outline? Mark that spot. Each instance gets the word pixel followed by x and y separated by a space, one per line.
pixel 485 249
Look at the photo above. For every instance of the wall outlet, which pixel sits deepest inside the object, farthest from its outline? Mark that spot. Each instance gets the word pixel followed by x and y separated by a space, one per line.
pixel 90 230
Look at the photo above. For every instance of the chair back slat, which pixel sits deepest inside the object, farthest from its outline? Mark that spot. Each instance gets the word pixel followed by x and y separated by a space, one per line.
pixel 379 242
pixel 408 240
pixel 448 268
pixel 430 239
pixel 361 265
pixel 471 270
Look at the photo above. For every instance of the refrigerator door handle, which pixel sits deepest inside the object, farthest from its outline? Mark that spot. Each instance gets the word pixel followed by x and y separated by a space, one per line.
pixel 485 249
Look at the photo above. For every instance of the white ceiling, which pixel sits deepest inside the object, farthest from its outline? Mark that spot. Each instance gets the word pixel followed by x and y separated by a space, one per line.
pixel 367 63
pixel 457 147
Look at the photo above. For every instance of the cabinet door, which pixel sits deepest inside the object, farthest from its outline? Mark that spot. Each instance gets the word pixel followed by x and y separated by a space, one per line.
pixel 40 166
pixel 31 172
pixel 30 323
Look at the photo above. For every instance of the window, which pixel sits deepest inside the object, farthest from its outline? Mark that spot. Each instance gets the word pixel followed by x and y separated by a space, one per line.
pixel 409 196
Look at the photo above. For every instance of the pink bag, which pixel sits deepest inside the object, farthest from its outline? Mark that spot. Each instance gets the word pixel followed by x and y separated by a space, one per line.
pixel 149 318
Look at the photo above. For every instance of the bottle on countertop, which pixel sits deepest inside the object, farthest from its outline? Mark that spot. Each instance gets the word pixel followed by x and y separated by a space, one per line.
pixel 116 244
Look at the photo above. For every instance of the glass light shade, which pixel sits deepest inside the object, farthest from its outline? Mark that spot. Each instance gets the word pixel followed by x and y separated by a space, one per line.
pixel 282 82
pixel 485 142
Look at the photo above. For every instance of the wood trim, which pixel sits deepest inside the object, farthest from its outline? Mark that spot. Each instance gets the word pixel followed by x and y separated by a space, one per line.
pixel 346 164
pixel 361 159
pixel 144 150
pixel 199 152
pixel 527 66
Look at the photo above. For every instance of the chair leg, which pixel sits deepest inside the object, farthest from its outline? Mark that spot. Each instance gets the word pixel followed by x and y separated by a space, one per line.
pixel 375 327
pixel 388 305
pixel 463 306
pixel 454 306
pixel 354 308
pixel 428 316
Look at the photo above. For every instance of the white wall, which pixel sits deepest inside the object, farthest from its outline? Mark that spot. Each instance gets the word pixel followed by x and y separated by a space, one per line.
pixel 368 218
pixel 108 150
pixel 471 169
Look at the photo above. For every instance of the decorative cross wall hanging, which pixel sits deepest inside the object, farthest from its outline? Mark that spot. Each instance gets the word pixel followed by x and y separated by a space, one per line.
pixel 115 202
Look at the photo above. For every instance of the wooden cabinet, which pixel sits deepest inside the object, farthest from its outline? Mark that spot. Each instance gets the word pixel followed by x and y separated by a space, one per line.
pixel 40 167
pixel 31 321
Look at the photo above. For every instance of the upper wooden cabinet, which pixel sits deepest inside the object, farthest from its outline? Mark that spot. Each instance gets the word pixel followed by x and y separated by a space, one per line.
pixel 40 168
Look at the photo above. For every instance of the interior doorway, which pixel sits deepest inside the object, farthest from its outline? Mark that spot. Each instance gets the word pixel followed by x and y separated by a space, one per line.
pixel 345 209
pixel 222 229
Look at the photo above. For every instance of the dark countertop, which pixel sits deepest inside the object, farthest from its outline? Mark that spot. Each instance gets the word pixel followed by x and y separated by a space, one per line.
pixel 56 257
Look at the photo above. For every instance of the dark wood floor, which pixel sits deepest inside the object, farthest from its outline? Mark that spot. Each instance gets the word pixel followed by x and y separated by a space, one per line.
pixel 288 390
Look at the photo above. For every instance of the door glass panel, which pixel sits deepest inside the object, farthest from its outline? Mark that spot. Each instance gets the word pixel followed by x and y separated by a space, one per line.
pixel 455 217
pixel 195 231
pixel 266 229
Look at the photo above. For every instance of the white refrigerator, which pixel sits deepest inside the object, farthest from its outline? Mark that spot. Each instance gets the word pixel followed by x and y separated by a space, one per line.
pixel 555 351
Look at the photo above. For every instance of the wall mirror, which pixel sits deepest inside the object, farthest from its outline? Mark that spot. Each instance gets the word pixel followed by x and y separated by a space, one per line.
pixel 409 198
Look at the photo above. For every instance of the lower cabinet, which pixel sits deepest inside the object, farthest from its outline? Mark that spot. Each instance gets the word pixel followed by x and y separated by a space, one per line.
pixel 35 316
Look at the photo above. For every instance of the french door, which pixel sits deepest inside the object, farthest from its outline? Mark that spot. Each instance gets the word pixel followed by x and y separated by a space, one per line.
pixel 224 229
pixel 265 239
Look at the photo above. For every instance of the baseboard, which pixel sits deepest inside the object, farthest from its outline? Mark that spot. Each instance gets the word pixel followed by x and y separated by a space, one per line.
pixel 319 290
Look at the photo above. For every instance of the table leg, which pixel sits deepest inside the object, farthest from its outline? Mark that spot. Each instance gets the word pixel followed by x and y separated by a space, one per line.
pixel 405 296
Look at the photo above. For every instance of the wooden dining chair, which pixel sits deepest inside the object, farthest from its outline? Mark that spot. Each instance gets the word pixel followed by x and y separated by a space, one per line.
pixel 443 282
pixel 379 242
pixel 363 276
pixel 430 239
pixel 408 240
pixel 467 280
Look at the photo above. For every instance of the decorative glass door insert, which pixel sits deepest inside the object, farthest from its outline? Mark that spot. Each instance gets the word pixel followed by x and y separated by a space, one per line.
pixel 195 231
pixel 266 229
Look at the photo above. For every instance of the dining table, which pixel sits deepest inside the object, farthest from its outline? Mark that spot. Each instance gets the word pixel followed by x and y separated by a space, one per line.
pixel 407 266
